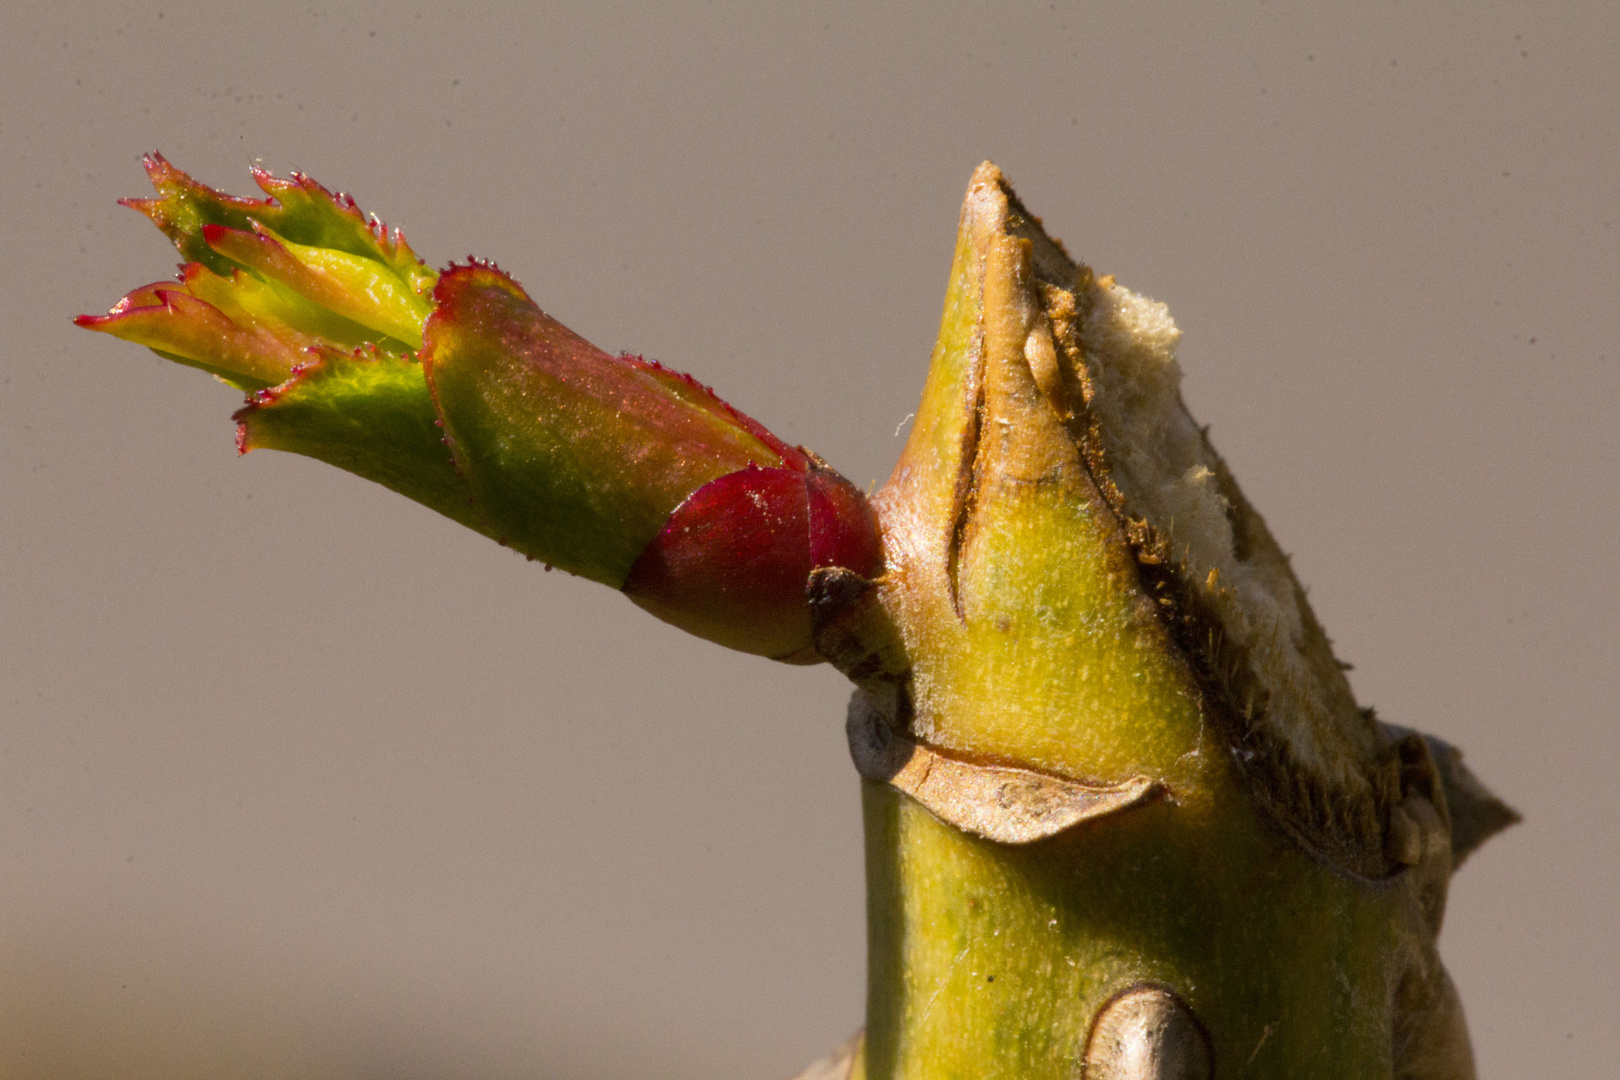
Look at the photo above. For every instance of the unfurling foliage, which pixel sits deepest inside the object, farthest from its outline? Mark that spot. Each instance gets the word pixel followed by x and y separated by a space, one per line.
pixel 455 389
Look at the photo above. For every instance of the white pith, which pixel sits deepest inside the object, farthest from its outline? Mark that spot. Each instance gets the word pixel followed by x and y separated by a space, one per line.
pixel 1158 459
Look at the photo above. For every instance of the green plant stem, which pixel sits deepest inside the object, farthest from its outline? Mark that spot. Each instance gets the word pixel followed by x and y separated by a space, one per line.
pixel 1027 623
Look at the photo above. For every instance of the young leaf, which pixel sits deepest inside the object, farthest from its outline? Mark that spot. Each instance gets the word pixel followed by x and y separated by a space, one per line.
pixel 458 391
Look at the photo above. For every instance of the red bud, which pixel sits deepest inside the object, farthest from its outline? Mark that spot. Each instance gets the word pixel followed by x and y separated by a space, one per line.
pixel 733 561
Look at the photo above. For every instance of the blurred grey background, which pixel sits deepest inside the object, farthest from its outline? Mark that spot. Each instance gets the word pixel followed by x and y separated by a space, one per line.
pixel 299 780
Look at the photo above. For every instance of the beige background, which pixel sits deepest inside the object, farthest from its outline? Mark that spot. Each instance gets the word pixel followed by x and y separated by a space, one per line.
pixel 298 779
